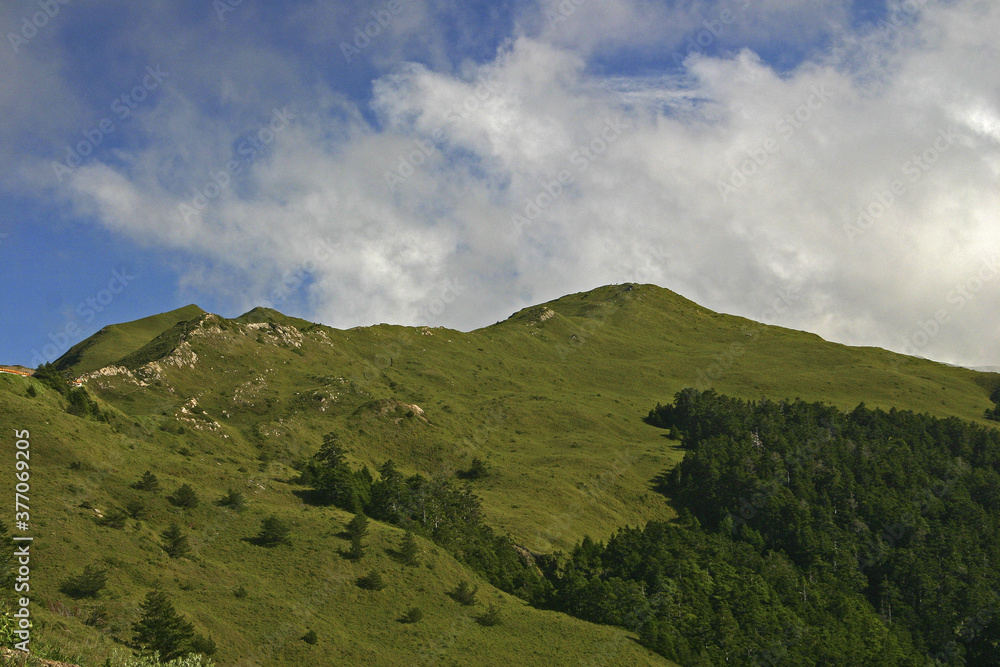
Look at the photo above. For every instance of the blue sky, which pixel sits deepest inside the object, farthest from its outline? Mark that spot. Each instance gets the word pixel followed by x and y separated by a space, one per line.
pixel 823 165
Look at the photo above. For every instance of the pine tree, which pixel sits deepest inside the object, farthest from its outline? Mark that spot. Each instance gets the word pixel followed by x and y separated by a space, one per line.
pixel 491 616
pixel 273 531
pixel 414 615
pixel 357 530
pixel 358 526
pixel 331 453
pixel 184 496
pixel 49 376
pixel 408 550
pixel 148 482
pixel 174 541
pixel 161 628
pixel 465 594
pixel 234 500
pixel 357 550
pixel 372 581
pixel 87 584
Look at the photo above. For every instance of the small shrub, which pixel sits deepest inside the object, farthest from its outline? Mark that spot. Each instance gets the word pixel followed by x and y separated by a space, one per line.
pixel 8 624
pixel 478 469
pixel 491 616
pixel 273 531
pixel 32 392
pixel 357 550
pixel 465 594
pixel 409 552
pixel 76 465
pixel 372 581
pixel 115 518
pixel 97 618
pixel 310 637
pixel 81 405
pixel 87 584
pixel 233 500
pixel 184 496
pixel 414 615
pixel 204 645
pixel 240 593
pixel 148 482
pixel 175 542
pixel 358 526
pixel 136 509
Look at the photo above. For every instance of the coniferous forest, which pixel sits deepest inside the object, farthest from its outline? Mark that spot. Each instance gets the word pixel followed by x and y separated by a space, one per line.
pixel 806 536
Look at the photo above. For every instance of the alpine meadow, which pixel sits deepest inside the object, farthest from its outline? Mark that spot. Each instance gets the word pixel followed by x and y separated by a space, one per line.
pixel 617 477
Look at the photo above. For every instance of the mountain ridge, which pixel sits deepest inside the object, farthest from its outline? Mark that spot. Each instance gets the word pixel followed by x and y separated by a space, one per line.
pixel 552 400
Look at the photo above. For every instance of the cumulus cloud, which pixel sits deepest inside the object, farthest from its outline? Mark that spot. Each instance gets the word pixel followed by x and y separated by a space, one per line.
pixel 859 186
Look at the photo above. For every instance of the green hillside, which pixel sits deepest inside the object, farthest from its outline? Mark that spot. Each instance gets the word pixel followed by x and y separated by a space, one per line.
pixel 107 345
pixel 552 399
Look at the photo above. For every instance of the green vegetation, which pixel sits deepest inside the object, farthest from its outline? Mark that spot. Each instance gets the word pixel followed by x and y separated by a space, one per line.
pixel 372 581
pixel 551 400
pixel 184 496
pixel 273 531
pixel 492 616
pixel 109 344
pixel 861 537
pixel 87 584
pixel 233 500
pixel 148 482
pixel 465 594
pixel 175 542
pixel 162 630
pixel 409 551
pixel 413 615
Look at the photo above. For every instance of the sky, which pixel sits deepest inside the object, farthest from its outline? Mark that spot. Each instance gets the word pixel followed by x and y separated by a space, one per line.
pixel 824 165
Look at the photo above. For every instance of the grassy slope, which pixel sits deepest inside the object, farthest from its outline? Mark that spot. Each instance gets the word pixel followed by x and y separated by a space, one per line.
pixel 553 398
pixel 110 343
pixel 291 589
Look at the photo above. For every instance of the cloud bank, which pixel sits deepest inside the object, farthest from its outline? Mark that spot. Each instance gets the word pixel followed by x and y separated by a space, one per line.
pixel 783 149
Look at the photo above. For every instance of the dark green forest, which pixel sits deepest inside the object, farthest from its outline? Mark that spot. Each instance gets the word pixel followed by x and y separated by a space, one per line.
pixel 807 536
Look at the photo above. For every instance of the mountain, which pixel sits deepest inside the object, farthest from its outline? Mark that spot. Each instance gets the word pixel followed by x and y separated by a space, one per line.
pixel 553 399
pixel 106 346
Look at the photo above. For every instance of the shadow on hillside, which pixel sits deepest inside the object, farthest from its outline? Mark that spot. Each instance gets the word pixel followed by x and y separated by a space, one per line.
pixel 661 484
pixel 309 497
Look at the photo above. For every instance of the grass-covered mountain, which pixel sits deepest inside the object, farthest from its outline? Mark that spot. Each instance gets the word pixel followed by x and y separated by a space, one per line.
pixel 553 399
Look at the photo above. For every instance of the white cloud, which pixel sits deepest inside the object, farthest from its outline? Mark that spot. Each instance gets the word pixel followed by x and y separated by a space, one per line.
pixel 642 159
